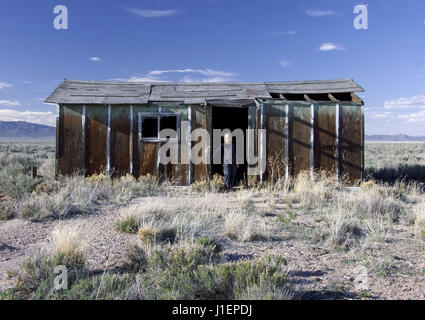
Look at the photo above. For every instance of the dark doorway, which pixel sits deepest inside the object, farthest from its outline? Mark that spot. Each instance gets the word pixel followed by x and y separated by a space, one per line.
pixel 230 118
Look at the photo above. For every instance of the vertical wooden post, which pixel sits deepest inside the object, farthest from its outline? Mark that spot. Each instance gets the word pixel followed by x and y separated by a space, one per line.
pixel 34 173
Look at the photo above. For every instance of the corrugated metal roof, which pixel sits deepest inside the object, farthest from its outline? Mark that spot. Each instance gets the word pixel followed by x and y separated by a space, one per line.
pixel 96 92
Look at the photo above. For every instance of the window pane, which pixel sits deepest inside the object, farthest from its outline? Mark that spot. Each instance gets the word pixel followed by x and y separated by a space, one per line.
pixel 169 122
pixel 149 127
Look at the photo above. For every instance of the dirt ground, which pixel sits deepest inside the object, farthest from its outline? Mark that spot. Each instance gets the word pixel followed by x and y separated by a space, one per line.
pixel 393 269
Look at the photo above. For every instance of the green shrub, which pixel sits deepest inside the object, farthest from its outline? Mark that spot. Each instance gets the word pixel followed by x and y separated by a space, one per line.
pixel 128 225
pixel 136 259
pixel 14 182
pixel 7 211
pixel 166 235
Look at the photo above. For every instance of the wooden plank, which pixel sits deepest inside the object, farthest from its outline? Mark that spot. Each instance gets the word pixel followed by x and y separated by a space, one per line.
pixel 148 158
pixel 199 121
pixel 300 138
pixel 96 139
pixel 70 140
pixel 350 143
pixel 325 138
pixel 120 140
pixel 275 124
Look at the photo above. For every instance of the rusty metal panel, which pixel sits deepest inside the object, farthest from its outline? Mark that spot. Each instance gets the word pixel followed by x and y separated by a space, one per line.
pixel 275 123
pixel 70 144
pixel 325 138
pixel 137 144
pixel 351 142
pixel 300 138
pixel 199 120
pixel 96 139
pixel 120 140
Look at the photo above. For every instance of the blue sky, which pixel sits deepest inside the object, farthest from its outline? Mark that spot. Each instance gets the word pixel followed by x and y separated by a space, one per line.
pixel 217 40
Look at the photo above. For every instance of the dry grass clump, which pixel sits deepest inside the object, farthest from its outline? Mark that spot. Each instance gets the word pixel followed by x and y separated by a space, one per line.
pixel 318 192
pixel 69 247
pixel 216 184
pixel 244 227
pixel 372 203
pixel 419 228
pixel 244 198
pixel 344 230
pixel 76 195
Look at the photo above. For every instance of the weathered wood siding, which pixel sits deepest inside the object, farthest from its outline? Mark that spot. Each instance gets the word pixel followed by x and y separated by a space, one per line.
pixel 325 138
pixel 289 136
pixel 276 140
pixel 351 142
pixel 120 140
pixel 96 135
pixel 199 121
pixel 70 145
pixel 300 138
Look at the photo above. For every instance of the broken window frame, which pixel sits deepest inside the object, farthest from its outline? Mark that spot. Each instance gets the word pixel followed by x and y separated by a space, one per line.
pixel 158 115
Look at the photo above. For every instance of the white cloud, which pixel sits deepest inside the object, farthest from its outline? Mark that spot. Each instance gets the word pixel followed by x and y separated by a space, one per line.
pixel 378 114
pixel 9 103
pixel 320 13
pixel 418 117
pixel 96 59
pixel 329 47
pixel 406 103
pixel 46 118
pixel 285 63
pixel 5 85
pixel 152 13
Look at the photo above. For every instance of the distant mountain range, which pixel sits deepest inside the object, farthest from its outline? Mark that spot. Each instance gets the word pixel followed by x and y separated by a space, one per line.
pixel 24 130
pixel 395 138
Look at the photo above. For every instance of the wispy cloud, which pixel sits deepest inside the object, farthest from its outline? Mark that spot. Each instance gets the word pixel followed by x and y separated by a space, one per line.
pixel 285 63
pixel 289 33
pixel 9 103
pixel 151 13
pixel 406 103
pixel 190 75
pixel 139 79
pixel 5 85
pixel 46 118
pixel 329 47
pixel 96 59
pixel 205 72
pixel 320 13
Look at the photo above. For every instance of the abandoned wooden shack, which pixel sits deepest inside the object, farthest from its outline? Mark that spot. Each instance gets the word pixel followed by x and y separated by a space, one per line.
pixel 114 126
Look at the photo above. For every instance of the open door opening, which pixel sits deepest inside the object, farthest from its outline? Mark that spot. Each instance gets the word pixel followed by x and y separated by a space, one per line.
pixel 231 118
